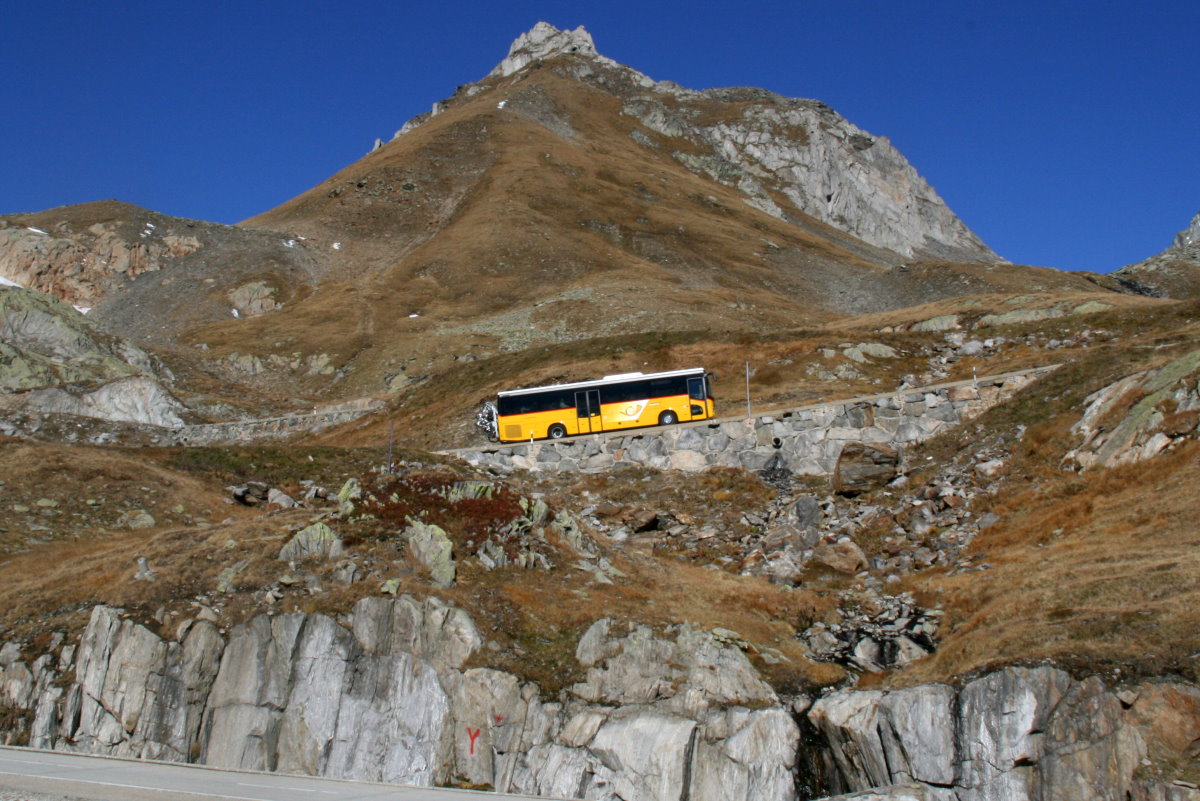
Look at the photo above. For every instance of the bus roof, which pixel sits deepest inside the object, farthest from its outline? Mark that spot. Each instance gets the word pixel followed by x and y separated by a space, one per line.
pixel 608 379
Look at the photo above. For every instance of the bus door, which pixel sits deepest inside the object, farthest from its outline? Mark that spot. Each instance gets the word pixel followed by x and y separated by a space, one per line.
pixel 696 396
pixel 587 408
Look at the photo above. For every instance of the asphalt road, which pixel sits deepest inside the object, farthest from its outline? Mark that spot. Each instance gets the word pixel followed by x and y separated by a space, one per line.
pixel 108 779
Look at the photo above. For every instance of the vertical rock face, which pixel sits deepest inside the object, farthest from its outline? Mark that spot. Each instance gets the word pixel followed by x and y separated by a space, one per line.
pixel 665 717
pixel 1019 734
pixel 137 695
pixel 659 715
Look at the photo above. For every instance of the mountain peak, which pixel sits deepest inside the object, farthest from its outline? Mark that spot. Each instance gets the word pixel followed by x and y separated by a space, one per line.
pixel 1190 235
pixel 542 41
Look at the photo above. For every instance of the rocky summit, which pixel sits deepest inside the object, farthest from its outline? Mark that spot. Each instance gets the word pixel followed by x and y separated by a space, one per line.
pixel 938 544
pixel 1173 273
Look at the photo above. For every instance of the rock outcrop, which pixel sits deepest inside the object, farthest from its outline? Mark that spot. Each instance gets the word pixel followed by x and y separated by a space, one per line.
pixel 545 41
pixel 54 360
pixel 45 342
pixel 137 399
pixel 147 276
pixel 1140 415
pixel 1174 273
pixel 83 267
pixel 1188 236
pixel 1014 735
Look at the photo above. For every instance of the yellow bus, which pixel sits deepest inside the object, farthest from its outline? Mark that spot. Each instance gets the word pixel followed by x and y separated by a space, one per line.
pixel 628 400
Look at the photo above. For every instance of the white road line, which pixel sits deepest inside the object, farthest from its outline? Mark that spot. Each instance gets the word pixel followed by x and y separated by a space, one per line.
pixel 132 786
pixel 40 764
pixel 279 787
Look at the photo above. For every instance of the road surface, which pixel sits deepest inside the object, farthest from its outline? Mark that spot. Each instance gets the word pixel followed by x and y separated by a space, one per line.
pixel 109 779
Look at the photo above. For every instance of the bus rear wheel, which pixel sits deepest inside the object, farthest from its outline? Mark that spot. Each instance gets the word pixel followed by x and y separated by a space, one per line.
pixel 557 431
pixel 668 419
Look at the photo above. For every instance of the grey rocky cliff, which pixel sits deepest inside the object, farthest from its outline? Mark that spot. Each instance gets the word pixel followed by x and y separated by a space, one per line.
pixel 795 159
pixel 386 694
pixel 1019 734
pixel 54 360
pixel 1174 273
pixel 546 41
pixel 824 166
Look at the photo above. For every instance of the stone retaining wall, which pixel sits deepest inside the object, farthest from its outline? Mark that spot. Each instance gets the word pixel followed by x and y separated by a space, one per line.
pixel 806 440
pixel 247 431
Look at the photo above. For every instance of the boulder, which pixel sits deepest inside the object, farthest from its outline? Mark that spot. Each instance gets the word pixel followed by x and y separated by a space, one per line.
pixel 317 541
pixel 280 499
pixel 844 556
pixel 350 492
pixel 252 493
pixel 254 298
pixel 806 512
pixel 862 467
pixel 434 551
pixel 139 520
pixel 865 351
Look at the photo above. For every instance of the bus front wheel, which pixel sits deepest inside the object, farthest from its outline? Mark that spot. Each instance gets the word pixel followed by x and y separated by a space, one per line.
pixel 557 431
pixel 668 419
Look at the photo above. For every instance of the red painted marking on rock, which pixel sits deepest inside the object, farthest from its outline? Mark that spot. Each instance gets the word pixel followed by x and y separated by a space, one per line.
pixel 474 735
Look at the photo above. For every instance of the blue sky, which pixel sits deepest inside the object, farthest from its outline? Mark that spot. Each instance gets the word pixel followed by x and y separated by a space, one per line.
pixel 1065 134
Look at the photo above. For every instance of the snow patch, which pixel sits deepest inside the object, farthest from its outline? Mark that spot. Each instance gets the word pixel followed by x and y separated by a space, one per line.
pixel 337 245
pixel 6 282
pixel 414 314
pixel 36 230
pixel 502 104
pixel 289 243
pixel 234 312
